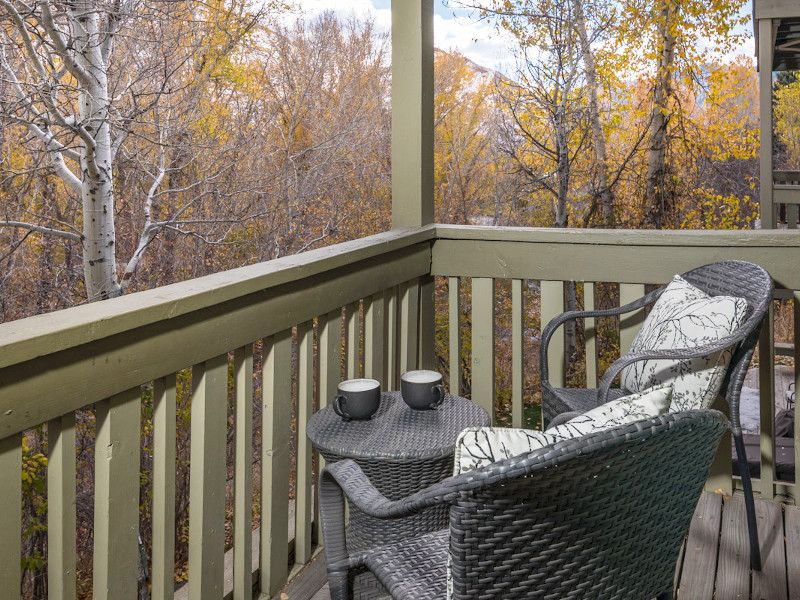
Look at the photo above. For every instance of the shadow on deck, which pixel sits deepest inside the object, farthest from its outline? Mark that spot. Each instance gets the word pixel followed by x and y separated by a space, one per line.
pixel 714 562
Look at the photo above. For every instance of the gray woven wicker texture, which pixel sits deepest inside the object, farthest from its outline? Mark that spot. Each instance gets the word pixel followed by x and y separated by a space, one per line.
pixel 595 517
pixel 730 278
pixel 402 451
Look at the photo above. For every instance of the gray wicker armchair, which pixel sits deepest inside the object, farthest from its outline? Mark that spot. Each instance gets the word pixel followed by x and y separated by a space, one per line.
pixel 592 517
pixel 729 278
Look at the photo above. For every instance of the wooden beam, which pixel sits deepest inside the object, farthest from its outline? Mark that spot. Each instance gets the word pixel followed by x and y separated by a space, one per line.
pixel 483 339
pixel 243 476
pixel 29 338
pixel 171 344
pixel 277 400
pixel 627 261
pixel 11 515
pixel 116 497
pixel 765 49
pixel 164 440
pixel 517 354
pixel 61 515
pixel 454 334
pixel 207 478
pixel 412 113
pixel 630 323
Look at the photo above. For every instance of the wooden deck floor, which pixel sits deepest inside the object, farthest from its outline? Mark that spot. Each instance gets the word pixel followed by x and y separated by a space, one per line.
pixel 713 565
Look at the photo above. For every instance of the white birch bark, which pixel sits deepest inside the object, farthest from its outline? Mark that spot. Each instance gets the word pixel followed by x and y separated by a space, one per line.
pixel 64 51
pixel 97 181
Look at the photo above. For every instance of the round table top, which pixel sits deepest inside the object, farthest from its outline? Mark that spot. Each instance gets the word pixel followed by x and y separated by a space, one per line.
pixel 396 431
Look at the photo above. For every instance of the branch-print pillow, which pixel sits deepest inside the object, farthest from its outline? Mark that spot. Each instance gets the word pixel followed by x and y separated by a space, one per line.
pixel 685 317
pixel 480 446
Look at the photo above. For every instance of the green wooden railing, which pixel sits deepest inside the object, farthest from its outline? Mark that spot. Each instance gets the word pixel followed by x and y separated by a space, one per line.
pixel 358 308
pixel 102 355
pixel 630 258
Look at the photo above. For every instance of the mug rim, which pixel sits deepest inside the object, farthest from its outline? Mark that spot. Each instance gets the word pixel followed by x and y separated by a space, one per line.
pixel 363 380
pixel 433 374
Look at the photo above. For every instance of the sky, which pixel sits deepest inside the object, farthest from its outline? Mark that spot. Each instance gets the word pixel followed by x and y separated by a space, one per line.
pixel 454 30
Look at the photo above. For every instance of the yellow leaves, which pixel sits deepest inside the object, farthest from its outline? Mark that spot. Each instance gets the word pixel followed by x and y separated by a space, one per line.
pixel 33 465
pixel 787 120
pixel 717 211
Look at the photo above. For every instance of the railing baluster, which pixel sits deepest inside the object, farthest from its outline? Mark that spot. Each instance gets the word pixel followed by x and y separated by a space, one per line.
pixel 375 339
pixel 427 324
pixel 243 477
pixel 392 356
pixel 590 335
pixel 629 324
pixel 483 311
pixel 409 325
pixel 11 515
pixel 517 355
pixel 164 394
pixel 116 497
pixel 330 373
pixel 552 293
pixel 352 318
pixel 791 216
pixel 275 419
pixel 61 518
pixel 766 385
pixel 305 406
pixel 330 355
pixel 454 319
pixel 207 478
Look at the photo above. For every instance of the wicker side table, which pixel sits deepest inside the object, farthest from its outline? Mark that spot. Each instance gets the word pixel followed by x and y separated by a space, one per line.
pixel 401 451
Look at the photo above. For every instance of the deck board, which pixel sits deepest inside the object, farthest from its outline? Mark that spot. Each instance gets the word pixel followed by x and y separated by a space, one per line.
pixel 770 582
pixel 791 517
pixel 733 570
pixel 700 557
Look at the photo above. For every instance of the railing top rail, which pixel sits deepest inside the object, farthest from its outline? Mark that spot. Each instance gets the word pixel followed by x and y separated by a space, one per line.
pixel 623 237
pixel 48 333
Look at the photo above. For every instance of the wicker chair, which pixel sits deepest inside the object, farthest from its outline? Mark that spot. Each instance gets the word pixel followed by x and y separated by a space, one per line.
pixel 729 278
pixel 592 517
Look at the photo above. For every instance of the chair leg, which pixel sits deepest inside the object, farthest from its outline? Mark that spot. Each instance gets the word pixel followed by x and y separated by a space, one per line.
pixel 338 585
pixel 749 503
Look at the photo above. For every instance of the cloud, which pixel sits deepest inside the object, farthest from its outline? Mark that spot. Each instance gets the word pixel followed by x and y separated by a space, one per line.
pixel 477 41
pixel 344 9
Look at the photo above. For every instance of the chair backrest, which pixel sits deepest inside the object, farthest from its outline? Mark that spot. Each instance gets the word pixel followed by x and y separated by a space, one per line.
pixel 744 280
pixel 597 516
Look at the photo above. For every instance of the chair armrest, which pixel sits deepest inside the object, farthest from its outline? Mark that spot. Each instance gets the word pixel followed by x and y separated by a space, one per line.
pixel 348 478
pixel 345 479
pixel 556 322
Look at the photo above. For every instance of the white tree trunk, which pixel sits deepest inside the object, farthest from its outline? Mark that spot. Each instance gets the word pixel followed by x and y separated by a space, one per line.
pixel 97 181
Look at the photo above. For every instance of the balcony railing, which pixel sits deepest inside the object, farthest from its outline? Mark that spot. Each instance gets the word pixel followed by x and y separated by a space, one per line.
pixel 363 307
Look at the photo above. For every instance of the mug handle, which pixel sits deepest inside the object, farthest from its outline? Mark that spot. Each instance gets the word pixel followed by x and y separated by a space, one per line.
pixel 337 407
pixel 439 391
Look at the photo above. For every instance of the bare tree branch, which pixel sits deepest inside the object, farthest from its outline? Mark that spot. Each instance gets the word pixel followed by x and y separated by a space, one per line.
pixel 68 235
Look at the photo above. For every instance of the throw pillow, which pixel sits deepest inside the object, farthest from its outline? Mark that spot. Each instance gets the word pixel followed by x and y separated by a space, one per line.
pixel 479 446
pixel 685 317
